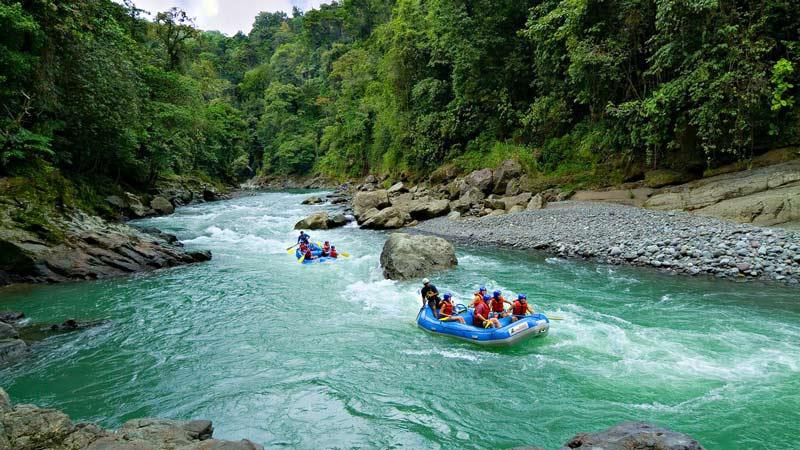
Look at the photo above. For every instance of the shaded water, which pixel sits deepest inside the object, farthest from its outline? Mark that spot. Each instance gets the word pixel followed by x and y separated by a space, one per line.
pixel 328 355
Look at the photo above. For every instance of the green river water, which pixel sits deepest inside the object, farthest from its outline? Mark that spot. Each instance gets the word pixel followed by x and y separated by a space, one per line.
pixel 329 355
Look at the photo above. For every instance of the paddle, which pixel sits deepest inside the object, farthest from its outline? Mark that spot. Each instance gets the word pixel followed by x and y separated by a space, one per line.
pixel 345 254
pixel 555 318
pixel 289 250
pixel 301 259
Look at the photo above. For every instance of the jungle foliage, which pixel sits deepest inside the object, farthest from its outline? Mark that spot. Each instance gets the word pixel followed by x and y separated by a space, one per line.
pixel 397 86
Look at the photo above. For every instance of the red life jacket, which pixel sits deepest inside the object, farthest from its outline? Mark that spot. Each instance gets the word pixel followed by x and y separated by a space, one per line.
pixel 520 307
pixel 326 248
pixel 481 308
pixel 497 304
pixel 334 254
pixel 447 308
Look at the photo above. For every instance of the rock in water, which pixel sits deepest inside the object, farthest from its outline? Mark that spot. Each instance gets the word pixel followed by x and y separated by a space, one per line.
pixel 321 221
pixel 11 349
pixel 313 200
pixel 316 221
pixel 364 201
pixel 407 256
pixel 633 435
pixel 7 331
pixel 161 205
pixel 27 427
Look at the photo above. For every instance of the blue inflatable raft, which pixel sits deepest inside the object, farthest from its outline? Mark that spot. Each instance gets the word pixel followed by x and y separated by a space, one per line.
pixel 316 251
pixel 533 325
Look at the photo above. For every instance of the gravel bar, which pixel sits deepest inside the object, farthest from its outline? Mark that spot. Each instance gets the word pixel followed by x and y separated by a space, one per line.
pixel 617 234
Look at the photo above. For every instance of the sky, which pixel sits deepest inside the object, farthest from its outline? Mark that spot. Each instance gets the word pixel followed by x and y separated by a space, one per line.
pixel 227 16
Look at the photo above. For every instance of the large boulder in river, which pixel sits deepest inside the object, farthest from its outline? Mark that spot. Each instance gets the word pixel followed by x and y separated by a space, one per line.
pixel 388 218
pixel 407 256
pixel 321 221
pixel 364 201
pixel 633 435
pixel 161 205
pixel 313 200
pixel 11 349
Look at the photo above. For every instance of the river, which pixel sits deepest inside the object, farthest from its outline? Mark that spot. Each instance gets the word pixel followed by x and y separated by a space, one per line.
pixel 328 355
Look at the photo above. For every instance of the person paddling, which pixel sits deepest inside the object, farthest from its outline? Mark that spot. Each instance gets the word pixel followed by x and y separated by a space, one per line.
pixel 478 296
pixel 520 308
pixel 334 253
pixel 430 295
pixel 480 316
pixel 446 310
pixel 306 252
pixel 303 238
pixel 326 248
pixel 497 305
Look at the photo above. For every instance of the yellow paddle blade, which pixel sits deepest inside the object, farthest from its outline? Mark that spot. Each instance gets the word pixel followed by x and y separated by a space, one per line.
pixel 301 259
pixel 290 250
pixel 345 254
pixel 555 318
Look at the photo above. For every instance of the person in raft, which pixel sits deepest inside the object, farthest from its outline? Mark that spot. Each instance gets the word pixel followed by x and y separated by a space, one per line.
pixel 305 250
pixel 430 295
pixel 446 310
pixel 333 253
pixel 520 308
pixel 303 238
pixel 326 248
pixel 497 305
pixel 478 296
pixel 480 316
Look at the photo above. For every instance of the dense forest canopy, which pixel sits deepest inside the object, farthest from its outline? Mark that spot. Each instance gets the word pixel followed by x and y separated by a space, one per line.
pixel 92 87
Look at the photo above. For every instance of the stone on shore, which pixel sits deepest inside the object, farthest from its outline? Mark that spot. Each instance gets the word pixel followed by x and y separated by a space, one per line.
pixel 407 256
pixel 364 201
pixel 480 180
pixel 429 209
pixel 161 205
pixel 536 202
pixel 388 218
pixel 397 188
pixel 508 171
pixel 633 435
pixel 763 196
pixel 27 427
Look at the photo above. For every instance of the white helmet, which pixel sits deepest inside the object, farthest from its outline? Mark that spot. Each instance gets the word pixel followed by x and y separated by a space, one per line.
pixel 425 281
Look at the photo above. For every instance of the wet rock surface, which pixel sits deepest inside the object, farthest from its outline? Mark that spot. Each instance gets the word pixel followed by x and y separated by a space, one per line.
pixel 27 427
pixel 671 241
pixel 407 256
pixel 633 435
pixel 84 247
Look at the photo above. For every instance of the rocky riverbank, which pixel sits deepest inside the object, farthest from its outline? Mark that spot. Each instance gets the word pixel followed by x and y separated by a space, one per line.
pixel 48 232
pixel 616 234
pixel 27 427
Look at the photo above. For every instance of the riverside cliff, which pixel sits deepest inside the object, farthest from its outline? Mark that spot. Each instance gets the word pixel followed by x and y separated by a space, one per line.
pixel 50 232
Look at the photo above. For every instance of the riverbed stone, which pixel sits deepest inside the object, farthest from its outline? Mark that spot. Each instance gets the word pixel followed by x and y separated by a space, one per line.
pixel 480 180
pixel 406 256
pixel 397 188
pixel 633 435
pixel 7 331
pixel 536 202
pixel 388 218
pixel 161 205
pixel 507 171
pixel 313 200
pixel 316 221
pixel 424 210
pixel 364 201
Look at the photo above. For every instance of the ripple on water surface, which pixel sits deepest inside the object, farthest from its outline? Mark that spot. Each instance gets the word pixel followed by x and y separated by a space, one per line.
pixel 328 355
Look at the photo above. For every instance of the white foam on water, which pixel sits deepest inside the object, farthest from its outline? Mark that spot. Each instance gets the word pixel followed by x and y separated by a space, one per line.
pixel 386 296
pixel 450 354
pixel 217 235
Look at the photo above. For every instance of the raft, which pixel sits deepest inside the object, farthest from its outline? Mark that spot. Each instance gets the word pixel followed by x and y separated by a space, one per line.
pixel 316 251
pixel 531 326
